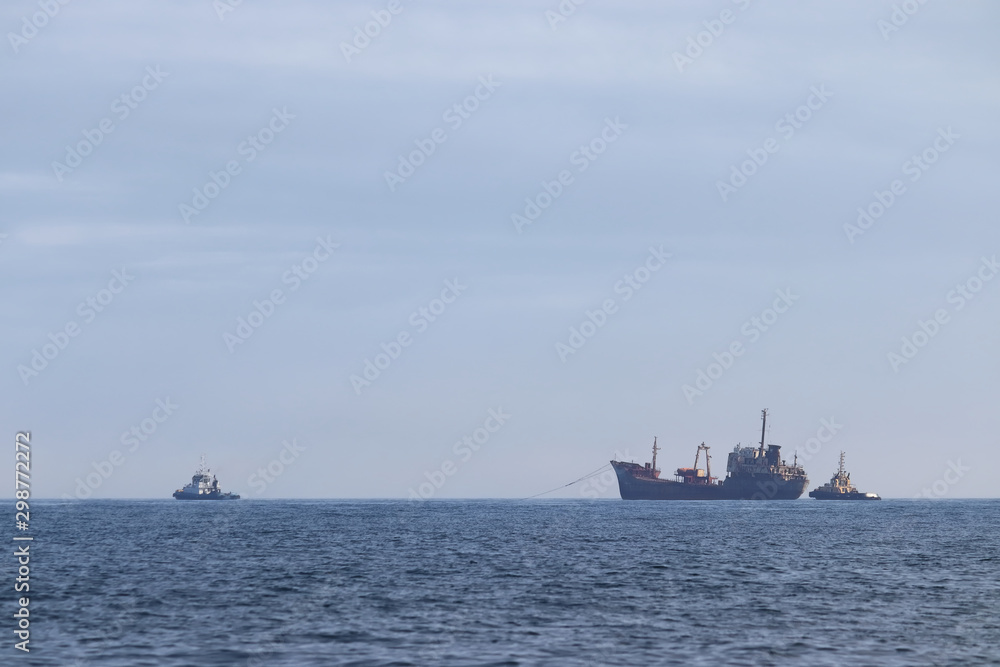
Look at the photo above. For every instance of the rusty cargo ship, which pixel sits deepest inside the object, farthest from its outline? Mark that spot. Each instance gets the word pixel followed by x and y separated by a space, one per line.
pixel 752 473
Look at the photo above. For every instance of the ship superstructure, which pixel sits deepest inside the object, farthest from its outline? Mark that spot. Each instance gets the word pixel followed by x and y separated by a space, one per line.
pixel 203 486
pixel 840 487
pixel 752 473
pixel 757 473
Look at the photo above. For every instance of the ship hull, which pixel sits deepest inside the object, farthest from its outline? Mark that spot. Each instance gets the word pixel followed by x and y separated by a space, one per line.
pixel 634 486
pixel 180 495
pixel 826 495
pixel 765 487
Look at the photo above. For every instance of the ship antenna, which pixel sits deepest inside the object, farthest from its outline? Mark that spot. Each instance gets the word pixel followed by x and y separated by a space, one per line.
pixel 655 449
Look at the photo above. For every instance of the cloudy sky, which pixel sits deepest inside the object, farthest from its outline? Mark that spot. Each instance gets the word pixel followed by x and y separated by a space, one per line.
pixel 568 215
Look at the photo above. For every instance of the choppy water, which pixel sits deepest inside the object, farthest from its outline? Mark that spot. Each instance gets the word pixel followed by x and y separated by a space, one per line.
pixel 514 583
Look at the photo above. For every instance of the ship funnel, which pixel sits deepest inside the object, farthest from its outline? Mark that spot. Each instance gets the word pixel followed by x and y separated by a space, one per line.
pixel 655 449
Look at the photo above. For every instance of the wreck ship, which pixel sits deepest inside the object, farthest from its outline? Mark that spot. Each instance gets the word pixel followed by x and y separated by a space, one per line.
pixel 752 473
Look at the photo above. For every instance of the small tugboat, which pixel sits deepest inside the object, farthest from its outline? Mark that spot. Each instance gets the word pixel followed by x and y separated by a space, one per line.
pixel 204 486
pixel 840 488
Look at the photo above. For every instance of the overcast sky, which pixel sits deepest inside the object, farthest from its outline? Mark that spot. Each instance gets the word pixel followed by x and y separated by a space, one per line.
pixel 694 167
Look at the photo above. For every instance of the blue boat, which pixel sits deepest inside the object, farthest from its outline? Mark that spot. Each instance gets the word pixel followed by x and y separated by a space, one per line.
pixel 203 486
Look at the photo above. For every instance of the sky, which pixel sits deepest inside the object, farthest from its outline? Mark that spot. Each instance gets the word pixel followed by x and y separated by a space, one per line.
pixel 483 248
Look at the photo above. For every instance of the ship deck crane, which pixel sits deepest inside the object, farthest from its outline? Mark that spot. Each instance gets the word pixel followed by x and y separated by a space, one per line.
pixel 708 459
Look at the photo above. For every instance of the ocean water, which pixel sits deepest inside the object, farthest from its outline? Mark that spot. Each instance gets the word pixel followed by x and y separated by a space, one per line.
pixel 513 583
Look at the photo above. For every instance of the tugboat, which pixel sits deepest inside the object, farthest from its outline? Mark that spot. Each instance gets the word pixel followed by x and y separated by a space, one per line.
pixel 840 488
pixel 204 486
pixel 752 473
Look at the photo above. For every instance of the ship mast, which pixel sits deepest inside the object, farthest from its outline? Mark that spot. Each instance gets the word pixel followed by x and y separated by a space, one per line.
pixel 763 426
pixel 841 471
pixel 655 449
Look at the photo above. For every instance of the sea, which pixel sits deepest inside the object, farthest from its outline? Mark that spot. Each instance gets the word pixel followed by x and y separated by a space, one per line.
pixel 507 582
